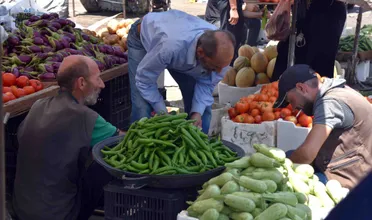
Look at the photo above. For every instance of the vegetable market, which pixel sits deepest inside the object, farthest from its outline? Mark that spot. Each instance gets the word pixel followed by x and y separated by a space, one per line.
pixel 169 116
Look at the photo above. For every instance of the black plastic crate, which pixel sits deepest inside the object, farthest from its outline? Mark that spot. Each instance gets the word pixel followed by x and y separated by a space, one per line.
pixel 145 203
pixel 114 103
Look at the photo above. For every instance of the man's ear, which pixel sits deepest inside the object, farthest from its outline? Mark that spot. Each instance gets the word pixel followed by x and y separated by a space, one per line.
pixel 200 52
pixel 301 87
pixel 80 83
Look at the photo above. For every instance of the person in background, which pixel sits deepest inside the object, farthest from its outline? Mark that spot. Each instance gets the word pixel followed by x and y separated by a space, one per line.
pixel 253 16
pixel 340 141
pixel 319 28
pixel 212 14
pixel 55 178
pixel 194 52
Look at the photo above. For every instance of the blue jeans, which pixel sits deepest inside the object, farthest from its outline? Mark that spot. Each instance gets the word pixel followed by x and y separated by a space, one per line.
pixel 140 107
pixel 321 176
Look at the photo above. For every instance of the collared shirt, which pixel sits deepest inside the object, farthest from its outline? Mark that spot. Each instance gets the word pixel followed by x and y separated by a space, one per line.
pixel 170 39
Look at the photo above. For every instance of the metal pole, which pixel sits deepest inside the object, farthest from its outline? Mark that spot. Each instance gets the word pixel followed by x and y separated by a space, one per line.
pixel 73 8
pixel 2 146
pixel 292 37
pixel 124 11
pixel 354 59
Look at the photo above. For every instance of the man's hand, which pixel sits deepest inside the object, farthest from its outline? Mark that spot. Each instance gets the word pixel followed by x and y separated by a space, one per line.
pixel 234 16
pixel 197 117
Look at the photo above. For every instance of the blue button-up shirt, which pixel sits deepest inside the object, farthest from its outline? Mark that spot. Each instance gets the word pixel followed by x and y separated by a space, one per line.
pixel 170 39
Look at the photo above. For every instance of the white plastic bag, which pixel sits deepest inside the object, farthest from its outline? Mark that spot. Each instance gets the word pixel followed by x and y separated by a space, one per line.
pixel 26 6
pixel 3 35
pixel 56 6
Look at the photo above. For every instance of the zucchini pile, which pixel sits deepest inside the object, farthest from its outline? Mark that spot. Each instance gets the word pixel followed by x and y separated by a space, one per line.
pixel 167 145
pixel 265 186
pixel 365 43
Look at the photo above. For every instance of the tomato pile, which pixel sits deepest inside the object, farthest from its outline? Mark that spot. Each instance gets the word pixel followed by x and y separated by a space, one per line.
pixel 257 108
pixel 14 87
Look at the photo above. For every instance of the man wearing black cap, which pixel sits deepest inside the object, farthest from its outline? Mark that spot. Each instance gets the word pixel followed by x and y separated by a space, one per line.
pixel 340 142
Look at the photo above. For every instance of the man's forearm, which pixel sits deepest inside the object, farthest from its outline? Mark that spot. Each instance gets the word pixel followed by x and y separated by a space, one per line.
pixel 233 4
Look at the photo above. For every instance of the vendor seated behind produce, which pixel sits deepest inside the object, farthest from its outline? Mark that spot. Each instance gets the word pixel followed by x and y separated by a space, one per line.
pixel 195 53
pixel 340 142
pixel 53 180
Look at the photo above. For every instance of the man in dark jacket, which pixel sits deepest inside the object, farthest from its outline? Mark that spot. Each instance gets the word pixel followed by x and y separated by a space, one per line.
pixel 54 178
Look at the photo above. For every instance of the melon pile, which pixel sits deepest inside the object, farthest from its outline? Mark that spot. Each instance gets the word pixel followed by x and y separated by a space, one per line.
pixel 252 67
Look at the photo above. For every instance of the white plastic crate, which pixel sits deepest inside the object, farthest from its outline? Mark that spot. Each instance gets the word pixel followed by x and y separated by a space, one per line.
pixel 232 94
pixel 245 135
pixel 290 136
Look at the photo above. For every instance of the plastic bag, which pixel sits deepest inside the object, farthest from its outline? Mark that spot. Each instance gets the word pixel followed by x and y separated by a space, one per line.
pixel 278 27
pixel 26 6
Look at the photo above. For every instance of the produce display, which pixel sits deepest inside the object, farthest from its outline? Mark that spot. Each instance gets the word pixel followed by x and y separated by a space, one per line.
pixel 116 32
pixel 365 43
pixel 167 145
pixel 257 108
pixel 265 186
pixel 252 67
pixel 38 47
pixel 14 87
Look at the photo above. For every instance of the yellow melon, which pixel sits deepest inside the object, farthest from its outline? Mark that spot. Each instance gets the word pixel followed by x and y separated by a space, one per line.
pixel 259 62
pixel 241 62
pixel 256 50
pixel 271 52
pixel 245 77
pixel 270 68
pixel 262 78
pixel 246 51
pixel 230 76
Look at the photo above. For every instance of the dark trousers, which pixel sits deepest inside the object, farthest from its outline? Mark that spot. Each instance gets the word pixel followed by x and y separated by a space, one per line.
pixel 253 28
pixel 357 204
pixel 238 29
pixel 95 178
pixel 322 31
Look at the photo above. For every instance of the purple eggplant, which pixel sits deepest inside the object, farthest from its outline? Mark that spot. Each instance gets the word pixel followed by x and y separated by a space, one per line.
pixel 85 37
pixel 55 25
pixel 54 15
pixel 100 65
pixel 45 32
pixel 117 52
pixel 15 72
pixel 38 41
pixel 31 49
pixel 47 76
pixel 69 35
pixel 47 49
pixel 58 45
pixel 122 60
pixel 28 69
pixel 70 23
pixel 39 23
pixel 19 60
pixel 72 51
pixel 37 34
pixel 25 73
pixel 45 68
pixel 45 16
pixel 56 66
pixel 27 22
pixel 63 53
pixel 110 50
pixel 13 40
pixel 65 43
pixel 61 21
pixel 34 18
pixel 51 28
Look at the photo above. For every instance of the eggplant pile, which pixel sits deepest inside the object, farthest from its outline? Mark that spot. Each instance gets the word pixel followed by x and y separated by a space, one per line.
pixel 38 47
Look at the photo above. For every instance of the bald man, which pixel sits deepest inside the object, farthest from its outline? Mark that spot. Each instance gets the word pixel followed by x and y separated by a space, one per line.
pixel 54 177
pixel 194 52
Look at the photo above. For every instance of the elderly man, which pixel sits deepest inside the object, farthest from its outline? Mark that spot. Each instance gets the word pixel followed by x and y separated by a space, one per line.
pixel 195 53
pixel 52 181
pixel 340 142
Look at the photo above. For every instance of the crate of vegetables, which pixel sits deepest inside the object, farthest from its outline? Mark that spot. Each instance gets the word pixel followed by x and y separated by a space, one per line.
pixel 165 151
pixel 251 69
pixel 38 47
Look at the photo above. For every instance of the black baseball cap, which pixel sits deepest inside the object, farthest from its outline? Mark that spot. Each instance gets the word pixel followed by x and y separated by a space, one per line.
pixel 298 73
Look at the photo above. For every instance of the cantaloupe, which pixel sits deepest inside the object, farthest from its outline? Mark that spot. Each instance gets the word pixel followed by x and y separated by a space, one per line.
pixel 246 51
pixel 241 62
pixel 270 68
pixel 259 62
pixel 245 77
pixel 256 50
pixel 230 76
pixel 262 78
pixel 270 52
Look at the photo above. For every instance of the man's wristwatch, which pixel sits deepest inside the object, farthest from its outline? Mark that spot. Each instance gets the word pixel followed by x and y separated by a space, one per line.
pixel 234 9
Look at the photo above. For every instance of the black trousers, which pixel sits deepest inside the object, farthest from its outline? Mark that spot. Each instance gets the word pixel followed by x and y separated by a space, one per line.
pixel 95 178
pixel 322 31
pixel 238 29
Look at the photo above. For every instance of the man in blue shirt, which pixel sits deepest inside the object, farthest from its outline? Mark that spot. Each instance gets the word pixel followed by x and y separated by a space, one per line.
pixel 195 53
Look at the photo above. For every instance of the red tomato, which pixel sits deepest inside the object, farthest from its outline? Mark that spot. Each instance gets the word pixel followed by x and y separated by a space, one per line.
pixel 248 119
pixel 36 84
pixel 291 118
pixel 239 119
pixel 232 113
pixel 9 79
pixel 14 89
pixel 20 93
pixel 8 96
pixel 29 90
pixel 258 119
pixel 23 81
pixel 242 107
pixel 285 112
pixel 305 120
pixel 267 107
pixel 6 89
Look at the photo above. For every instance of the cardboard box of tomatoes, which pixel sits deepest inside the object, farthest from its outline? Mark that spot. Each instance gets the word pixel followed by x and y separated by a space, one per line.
pixel 16 87
pixel 254 115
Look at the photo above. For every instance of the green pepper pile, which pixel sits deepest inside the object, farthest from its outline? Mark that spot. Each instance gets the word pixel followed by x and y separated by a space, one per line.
pixel 167 145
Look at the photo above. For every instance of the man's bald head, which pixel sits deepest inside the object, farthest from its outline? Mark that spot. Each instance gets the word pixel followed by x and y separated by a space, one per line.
pixel 216 49
pixel 73 67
